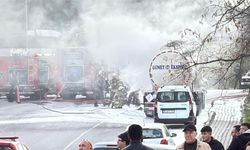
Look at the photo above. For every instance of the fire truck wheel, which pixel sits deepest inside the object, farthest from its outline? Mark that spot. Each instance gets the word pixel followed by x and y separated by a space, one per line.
pixel 68 96
pixel 91 97
pixel 11 97
pixel 35 96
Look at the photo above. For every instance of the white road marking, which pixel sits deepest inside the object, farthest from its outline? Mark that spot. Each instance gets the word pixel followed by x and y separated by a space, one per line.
pixel 76 139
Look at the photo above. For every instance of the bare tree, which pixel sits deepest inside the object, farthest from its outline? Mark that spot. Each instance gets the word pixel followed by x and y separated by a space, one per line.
pixel 227 45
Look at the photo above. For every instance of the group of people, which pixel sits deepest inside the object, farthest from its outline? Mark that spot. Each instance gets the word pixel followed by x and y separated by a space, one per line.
pixel 239 133
pixel 132 139
pixel 129 140
pixel 192 143
pixel 241 137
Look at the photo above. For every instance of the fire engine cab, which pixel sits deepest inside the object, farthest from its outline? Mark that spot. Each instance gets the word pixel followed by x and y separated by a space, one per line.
pixel 19 72
pixel 66 72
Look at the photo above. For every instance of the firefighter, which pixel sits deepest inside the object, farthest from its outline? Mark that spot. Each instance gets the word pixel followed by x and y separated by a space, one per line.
pixel 115 102
pixel 114 85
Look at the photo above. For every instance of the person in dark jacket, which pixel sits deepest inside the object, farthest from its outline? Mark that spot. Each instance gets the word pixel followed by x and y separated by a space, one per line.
pixel 239 143
pixel 235 131
pixel 206 134
pixel 122 140
pixel 135 137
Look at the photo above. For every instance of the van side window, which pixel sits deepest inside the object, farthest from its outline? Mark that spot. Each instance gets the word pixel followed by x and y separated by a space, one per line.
pixel 183 96
pixel 165 96
pixel 178 96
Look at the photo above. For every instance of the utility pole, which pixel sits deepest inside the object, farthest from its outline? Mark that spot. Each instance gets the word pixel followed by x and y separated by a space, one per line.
pixel 26 26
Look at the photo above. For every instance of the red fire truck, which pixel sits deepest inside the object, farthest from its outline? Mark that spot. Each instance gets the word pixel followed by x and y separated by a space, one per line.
pixel 70 72
pixel 67 72
pixel 18 71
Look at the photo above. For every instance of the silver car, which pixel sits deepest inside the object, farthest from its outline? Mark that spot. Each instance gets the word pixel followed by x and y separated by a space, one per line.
pixel 113 146
pixel 105 146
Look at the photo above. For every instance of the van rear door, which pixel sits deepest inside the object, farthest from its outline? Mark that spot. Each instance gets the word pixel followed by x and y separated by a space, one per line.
pixel 173 104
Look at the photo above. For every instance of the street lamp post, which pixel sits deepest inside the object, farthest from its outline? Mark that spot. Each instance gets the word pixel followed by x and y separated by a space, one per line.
pixel 26 26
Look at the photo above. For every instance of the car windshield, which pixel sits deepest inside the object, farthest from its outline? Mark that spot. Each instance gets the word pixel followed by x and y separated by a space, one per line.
pixel 178 96
pixel 105 148
pixel 4 148
pixel 152 133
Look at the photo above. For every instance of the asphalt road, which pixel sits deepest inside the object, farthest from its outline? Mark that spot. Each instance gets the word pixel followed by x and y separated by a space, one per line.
pixel 62 135
pixel 41 128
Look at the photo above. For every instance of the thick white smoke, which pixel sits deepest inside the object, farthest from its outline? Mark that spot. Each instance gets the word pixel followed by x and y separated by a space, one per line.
pixel 127 35
pixel 124 34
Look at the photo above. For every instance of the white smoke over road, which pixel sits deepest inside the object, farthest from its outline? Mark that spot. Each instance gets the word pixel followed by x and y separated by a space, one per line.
pixel 123 34
pixel 127 35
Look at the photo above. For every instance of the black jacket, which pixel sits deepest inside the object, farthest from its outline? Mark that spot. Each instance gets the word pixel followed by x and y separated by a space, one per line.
pixel 239 143
pixel 215 144
pixel 137 145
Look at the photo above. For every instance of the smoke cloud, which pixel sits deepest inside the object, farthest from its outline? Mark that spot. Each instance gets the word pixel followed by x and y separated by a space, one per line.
pixel 127 35
pixel 124 34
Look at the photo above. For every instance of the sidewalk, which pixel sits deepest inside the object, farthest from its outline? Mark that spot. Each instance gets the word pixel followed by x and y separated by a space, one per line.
pixel 227 114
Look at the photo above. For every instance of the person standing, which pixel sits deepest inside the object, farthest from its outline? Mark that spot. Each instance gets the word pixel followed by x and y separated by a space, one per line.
pixel 191 143
pixel 206 134
pixel 235 131
pixel 135 137
pixel 123 140
pixel 85 145
pixel 239 143
pixel 244 127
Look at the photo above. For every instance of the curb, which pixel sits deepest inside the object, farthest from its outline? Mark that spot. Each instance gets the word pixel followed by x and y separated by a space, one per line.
pixel 211 116
pixel 244 107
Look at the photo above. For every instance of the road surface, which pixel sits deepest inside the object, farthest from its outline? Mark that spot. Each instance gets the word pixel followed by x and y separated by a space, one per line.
pixel 61 125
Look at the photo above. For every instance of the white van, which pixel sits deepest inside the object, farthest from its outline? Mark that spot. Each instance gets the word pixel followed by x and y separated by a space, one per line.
pixel 175 105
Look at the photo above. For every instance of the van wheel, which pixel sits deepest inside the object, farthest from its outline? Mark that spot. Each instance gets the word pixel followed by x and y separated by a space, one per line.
pixel 195 121
pixel 192 119
pixel 198 111
pixel 191 113
pixel 156 119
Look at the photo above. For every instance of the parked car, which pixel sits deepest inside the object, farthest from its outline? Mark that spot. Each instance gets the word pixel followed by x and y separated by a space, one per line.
pixel 157 133
pixel 11 143
pixel 113 146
